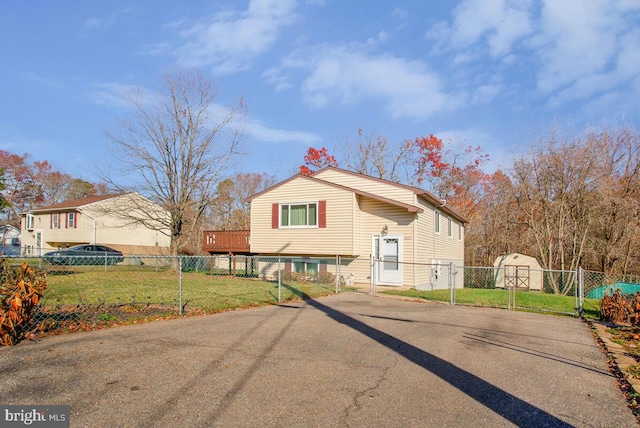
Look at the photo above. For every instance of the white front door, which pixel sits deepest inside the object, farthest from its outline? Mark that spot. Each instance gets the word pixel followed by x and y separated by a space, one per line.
pixel 38 242
pixel 387 259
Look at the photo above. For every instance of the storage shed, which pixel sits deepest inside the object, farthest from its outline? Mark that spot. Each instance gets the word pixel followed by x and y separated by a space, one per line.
pixel 518 271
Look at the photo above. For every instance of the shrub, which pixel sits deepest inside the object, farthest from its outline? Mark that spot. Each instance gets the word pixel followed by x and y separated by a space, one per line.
pixel 325 278
pixel 20 291
pixel 288 276
pixel 615 308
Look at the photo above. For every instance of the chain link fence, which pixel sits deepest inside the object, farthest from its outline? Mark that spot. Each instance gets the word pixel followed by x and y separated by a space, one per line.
pixel 523 288
pixel 86 292
pixel 90 291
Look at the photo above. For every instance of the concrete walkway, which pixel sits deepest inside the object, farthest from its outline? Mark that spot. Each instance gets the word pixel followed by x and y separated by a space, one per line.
pixel 346 360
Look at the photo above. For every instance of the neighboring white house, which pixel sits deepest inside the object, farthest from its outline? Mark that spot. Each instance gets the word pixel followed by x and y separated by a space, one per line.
pixel 519 271
pixel 9 240
pixel 93 219
pixel 392 234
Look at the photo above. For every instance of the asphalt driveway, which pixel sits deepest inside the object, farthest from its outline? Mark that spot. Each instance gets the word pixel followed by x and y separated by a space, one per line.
pixel 344 360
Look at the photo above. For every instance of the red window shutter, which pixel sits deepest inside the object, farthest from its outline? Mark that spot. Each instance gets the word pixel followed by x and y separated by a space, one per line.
pixel 75 220
pixel 50 221
pixel 322 214
pixel 66 220
pixel 323 267
pixel 274 215
pixel 287 266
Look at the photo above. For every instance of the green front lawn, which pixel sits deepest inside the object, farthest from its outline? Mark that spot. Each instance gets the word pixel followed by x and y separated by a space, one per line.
pixel 525 300
pixel 150 286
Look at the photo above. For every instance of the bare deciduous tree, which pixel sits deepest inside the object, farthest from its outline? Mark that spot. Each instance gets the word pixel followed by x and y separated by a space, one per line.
pixel 372 154
pixel 615 224
pixel 174 149
pixel 555 188
pixel 230 210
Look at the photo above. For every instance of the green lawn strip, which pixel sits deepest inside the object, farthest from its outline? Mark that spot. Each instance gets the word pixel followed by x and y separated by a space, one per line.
pixel 526 300
pixel 210 293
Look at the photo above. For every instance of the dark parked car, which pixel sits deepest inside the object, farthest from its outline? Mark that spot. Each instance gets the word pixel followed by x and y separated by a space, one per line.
pixel 85 254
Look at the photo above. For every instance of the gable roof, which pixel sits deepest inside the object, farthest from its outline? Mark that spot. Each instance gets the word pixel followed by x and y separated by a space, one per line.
pixel 8 229
pixel 74 204
pixel 408 207
pixel 421 193
pixel 427 196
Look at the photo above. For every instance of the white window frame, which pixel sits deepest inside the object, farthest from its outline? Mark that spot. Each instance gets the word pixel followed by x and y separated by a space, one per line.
pixel 29 222
pixel 55 221
pixel 459 232
pixel 71 220
pixel 436 222
pixel 449 227
pixel 300 226
pixel 305 264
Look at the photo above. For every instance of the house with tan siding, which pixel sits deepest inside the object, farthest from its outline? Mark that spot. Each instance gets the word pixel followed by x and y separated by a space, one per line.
pixel 386 233
pixel 92 220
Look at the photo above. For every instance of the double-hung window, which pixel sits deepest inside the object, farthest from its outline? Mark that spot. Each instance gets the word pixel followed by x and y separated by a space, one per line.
pixel 29 220
pixel 437 222
pixel 71 220
pixel 299 215
pixel 55 220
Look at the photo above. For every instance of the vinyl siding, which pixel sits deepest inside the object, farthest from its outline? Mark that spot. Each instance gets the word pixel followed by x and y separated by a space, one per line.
pixel 369 185
pixel 425 226
pixel 352 220
pixel 432 246
pixel 336 239
pixel 375 215
pixel 110 231
pixel 449 248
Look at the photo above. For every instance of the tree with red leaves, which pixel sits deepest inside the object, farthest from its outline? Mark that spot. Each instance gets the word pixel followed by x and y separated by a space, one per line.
pixel 316 159
pixel 456 177
pixel 32 184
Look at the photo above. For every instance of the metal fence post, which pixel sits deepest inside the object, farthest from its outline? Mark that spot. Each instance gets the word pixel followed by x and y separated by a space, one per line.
pixel 279 280
pixel 374 268
pixel 451 297
pixel 511 291
pixel 580 292
pixel 180 283
pixel 337 274
pixel 453 276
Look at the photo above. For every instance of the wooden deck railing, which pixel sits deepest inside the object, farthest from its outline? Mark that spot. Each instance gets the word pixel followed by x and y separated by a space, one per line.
pixel 226 241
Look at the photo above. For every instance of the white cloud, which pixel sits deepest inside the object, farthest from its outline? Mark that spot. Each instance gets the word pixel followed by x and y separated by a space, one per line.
pixel 117 94
pixel 486 93
pixel 574 49
pixel 108 21
pixel 587 49
pixel 263 133
pixel 36 77
pixel 234 39
pixel 350 74
pixel 499 23
pixel 400 14
pixel 575 40
pixel 275 77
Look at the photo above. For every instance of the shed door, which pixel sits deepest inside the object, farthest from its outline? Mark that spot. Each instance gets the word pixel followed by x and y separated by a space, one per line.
pixel 516 276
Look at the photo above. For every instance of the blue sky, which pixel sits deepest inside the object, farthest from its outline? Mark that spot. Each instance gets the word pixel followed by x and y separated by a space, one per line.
pixel 489 73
